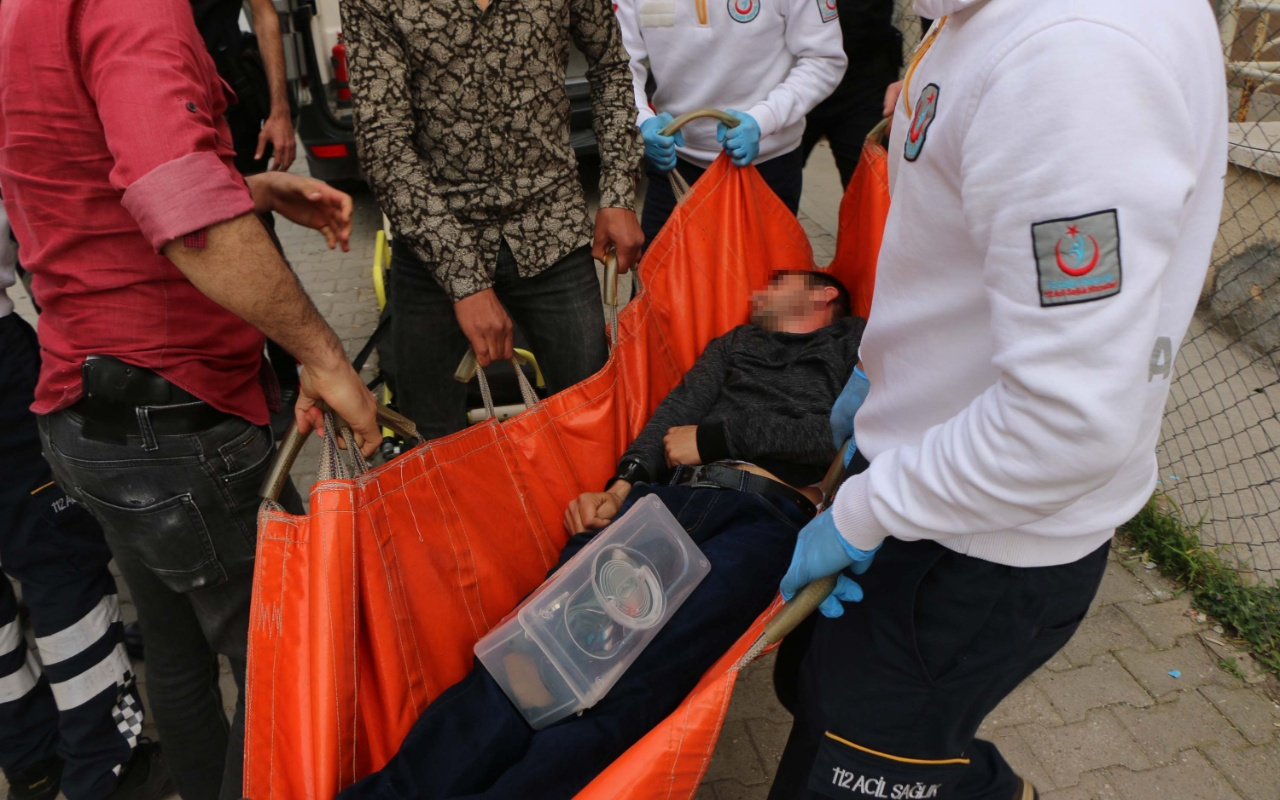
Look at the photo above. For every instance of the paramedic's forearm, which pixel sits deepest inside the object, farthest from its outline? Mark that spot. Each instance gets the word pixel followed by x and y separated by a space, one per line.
pixel 240 270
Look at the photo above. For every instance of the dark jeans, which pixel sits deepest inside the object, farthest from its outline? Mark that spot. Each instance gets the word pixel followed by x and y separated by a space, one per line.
pixel 912 670
pixel 845 119
pixel 471 742
pixel 55 549
pixel 784 174
pixel 180 514
pixel 559 310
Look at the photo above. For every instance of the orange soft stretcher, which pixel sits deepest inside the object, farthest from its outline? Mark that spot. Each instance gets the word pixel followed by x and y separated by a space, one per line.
pixel 367 608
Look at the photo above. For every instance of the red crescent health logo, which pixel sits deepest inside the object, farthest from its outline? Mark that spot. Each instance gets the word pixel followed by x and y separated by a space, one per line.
pixel 917 126
pixel 1081 271
pixel 743 7
pixel 831 4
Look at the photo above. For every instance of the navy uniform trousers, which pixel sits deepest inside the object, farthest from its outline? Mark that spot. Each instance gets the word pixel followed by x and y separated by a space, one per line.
pixel 74 694
pixel 472 742
pixel 888 698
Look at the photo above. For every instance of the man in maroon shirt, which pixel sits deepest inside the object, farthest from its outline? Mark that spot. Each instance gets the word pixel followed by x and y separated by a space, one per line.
pixel 153 273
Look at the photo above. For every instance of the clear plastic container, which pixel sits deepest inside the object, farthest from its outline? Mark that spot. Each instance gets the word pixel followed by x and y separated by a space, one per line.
pixel 570 641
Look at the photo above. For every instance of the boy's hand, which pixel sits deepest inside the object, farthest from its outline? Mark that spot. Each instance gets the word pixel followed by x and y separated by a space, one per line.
pixel 682 446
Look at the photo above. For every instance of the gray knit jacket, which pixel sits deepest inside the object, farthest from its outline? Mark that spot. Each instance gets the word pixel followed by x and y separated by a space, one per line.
pixel 759 396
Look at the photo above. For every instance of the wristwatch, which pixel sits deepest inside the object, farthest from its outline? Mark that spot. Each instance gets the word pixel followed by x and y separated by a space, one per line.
pixel 631 471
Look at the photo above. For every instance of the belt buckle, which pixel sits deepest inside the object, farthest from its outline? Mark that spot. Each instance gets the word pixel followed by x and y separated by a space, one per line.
pixel 695 474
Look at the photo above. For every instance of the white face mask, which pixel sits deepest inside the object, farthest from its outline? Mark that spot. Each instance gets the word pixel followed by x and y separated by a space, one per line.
pixel 941 8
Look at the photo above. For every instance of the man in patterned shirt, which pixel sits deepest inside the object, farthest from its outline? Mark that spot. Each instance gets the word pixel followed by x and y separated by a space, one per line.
pixel 462 127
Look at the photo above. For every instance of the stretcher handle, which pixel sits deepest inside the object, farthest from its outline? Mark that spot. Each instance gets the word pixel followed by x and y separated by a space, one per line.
pixel 689 116
pixel 679 186
pixel 287 455
pixel 811 596
pixel 798 610
pixel 880 131
pixel 610 288
pixel 837 473
pixel 610 296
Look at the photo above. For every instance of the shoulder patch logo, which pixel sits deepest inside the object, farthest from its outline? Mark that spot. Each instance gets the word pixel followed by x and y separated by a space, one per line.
pixel 827 8
pixel 926 110
pixel 744 10
pixel 1077 258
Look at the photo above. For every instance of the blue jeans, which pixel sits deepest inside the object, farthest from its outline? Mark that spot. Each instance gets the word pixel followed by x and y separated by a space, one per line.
pixel 559 310
pixel 180 515
pixel 68 704
pixel 472 742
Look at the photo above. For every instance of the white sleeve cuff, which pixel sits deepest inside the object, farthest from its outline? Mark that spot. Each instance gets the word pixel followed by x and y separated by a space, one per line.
pixel 852 515
pixel 765 118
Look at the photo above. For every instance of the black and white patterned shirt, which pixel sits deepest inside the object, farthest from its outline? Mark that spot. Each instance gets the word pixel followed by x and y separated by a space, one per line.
pixel 462 127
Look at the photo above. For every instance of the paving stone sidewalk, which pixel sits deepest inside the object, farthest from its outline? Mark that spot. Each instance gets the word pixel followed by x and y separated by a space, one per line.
pixel 1104 720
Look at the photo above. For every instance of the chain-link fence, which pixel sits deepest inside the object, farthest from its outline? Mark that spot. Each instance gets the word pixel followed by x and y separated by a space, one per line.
pixel 1220 454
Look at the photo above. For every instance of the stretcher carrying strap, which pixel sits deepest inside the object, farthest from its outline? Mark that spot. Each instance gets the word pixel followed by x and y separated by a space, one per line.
pixel 470 368
pixel 293 441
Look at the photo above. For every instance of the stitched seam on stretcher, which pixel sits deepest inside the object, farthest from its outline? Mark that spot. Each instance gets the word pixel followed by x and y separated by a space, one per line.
pixel 413 634
pixel 476 627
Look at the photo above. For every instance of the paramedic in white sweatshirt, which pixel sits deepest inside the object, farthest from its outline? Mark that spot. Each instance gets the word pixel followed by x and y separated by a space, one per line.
pixel 1057 178
pixel 767 62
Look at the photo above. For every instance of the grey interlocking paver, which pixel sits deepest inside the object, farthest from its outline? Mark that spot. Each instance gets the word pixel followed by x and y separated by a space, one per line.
pixel 1255 716
pixel 1104 682
pixel 1189 720
pixel 1189 777
pixel 1099 740
pixel 1253 771
pixel 1025 705
pixel 1161 623
pixel 1107 630
pixel 1188 658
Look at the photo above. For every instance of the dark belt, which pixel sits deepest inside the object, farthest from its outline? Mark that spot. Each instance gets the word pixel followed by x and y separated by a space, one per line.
pixel 117 396
pixel 723 477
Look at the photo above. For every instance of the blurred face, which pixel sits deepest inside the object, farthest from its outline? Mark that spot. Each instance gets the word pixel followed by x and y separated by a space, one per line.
pixel 787 299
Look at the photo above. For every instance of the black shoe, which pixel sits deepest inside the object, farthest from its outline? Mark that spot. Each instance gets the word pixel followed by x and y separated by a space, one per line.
pixel 133 642
pixel 37 782
pixel 146 776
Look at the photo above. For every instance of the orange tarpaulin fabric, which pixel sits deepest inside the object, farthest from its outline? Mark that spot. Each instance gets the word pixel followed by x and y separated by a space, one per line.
pixel 367 608
pixel 863 210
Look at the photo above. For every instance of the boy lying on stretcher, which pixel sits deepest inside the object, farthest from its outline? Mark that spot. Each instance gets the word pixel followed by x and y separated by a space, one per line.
pixel 730 452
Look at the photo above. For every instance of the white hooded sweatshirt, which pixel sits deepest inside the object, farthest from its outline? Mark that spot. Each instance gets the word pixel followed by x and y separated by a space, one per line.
pixel 1056 194
pixel 773 59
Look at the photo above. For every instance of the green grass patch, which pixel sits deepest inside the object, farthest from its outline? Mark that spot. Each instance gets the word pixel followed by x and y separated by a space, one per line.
pixel 1250 612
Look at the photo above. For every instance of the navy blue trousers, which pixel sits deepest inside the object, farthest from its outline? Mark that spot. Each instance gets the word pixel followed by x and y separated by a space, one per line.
pixel 890 695
pixel 471 742
pixel 81 702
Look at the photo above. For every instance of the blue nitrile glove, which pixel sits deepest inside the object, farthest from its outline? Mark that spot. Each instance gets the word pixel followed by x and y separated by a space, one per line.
pixel 822 551
pixel 742 142
pixel 659 149
pixel 847 404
